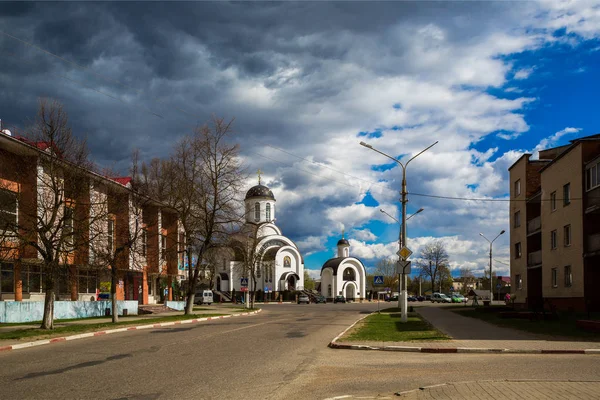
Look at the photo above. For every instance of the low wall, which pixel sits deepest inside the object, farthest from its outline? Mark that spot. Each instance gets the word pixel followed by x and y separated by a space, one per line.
pixel 27 311
pixel 176 305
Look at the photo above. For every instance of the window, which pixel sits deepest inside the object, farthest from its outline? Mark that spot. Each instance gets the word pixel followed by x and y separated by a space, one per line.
pixel 519 282
pixel 31 278
pixel 163 244
pixel 111 235
pixel 88 281
pixel 567 233
pixel 268 210
pixel 7 278
pixel 553 201
pixel 144 242
pixel 68 226
pixel 553 239
pixel 517 187
pixel 568 276
pixel 257 212
pixel 554 277
pixel 518 250
pixel 517 218
pixel 567 194
pixel 8 210
pixel 592 179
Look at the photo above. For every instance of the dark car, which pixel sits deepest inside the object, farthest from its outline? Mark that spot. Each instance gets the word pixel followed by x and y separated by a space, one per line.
pixel 320 299
pixel 411 298
pixel 420 298
pixel 392 298
pixel 339 299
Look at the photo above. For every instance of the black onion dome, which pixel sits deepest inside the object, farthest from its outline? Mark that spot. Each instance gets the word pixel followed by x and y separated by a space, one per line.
pixel 260 191
pixel 343 242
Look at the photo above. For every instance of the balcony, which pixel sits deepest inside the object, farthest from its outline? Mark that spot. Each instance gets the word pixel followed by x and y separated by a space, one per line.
pixel 592 200
pixel 593 243
pixel 534 225
pixel 534 258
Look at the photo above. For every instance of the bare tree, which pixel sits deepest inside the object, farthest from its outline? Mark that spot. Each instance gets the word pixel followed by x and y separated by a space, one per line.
pixel 387 268
pixel 245 244
pixel 51 228
pixel 201 180
pixel 433 256
pixel 467 277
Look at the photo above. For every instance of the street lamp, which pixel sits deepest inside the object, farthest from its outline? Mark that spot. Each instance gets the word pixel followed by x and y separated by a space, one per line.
pixel 400 241
pixel 491 288
pixel 404 200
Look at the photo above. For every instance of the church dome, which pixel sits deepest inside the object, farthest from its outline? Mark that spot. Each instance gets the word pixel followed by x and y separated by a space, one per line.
pixel 259 191
pixel 343 242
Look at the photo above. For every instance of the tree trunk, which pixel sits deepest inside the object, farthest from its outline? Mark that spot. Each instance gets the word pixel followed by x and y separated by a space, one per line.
pixel 48 319
pixel 191 289
pixel 113 295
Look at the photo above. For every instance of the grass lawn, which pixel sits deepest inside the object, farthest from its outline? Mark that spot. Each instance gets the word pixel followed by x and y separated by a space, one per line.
pixel 387 327
pixel 36 333
pixel 564 327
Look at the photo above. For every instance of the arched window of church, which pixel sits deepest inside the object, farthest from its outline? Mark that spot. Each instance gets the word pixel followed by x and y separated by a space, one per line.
pixel 346 252
pixel 257 211
pixel 268 212
pixel 349 275
pixel 329 290
pixel 287 262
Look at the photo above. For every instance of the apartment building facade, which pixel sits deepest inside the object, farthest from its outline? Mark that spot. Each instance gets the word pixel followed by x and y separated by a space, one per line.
pixel 555 227
pixel 108 218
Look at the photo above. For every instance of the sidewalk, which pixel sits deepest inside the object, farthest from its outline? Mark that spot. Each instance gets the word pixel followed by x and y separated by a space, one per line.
pixel 470 335
pixel 509 389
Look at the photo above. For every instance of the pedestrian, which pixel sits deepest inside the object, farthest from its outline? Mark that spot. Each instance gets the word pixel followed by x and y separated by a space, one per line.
pixel 507 298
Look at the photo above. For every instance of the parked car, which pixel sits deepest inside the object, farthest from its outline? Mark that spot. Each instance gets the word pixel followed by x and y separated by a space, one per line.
pixel 411 298
pixel 440 298
pixel 339 299
pixel 420 298
pixel 391 298
pixel 427 297
pixel 303 299
pixel 320 299
pixel 458 298
pixel 203 297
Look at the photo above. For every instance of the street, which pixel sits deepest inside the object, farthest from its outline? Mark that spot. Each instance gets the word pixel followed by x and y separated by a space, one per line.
pixel 279 353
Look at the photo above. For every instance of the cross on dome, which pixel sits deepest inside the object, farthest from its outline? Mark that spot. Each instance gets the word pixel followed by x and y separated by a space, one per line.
pixel 259 172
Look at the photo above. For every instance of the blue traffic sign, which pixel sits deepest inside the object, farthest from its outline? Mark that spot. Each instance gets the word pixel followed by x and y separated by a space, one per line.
pixel 244 282
pixel 378 280
pixel 498 286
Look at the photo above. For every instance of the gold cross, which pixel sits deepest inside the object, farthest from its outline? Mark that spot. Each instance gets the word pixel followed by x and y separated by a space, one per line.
pixel 259 172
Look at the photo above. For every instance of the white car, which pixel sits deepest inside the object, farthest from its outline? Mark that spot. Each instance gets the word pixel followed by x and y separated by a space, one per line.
pixel 203 297
pixel 440 298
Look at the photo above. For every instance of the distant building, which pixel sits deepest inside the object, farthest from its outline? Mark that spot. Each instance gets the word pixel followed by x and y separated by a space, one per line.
pixel 555 226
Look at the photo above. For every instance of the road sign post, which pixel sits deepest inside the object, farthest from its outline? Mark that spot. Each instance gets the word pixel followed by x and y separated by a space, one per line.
pixel 377 281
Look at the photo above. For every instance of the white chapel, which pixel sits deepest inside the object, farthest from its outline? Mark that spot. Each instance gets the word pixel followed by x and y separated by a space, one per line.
pixel 281 266
pixel 343 275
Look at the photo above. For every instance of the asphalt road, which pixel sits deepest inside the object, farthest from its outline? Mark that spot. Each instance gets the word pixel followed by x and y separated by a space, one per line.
pixel 280 353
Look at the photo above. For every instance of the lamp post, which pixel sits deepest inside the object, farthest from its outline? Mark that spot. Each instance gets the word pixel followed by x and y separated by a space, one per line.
pixel 401 244
pixel 491 284
pixel 404 200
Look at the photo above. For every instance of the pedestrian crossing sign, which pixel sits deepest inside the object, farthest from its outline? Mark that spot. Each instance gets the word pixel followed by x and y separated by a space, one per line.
pixel 378 280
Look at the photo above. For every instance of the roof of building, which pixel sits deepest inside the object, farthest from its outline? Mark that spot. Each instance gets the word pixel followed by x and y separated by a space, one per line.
pixel 568 148
pixel 333 263
pixel 344 242
pixel 123 180
pixel 259 191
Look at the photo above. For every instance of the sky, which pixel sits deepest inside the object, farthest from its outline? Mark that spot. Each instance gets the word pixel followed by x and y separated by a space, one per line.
pixel 306 82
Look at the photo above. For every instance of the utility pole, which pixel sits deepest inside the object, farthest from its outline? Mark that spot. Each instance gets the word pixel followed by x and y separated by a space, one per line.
pixel 491 242
pixel 402 241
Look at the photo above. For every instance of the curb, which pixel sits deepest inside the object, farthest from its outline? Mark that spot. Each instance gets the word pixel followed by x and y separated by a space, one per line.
pixel 117 330
pixel 448 350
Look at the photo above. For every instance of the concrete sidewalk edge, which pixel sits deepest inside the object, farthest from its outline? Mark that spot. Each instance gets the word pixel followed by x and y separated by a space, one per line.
pixel 448 350
pixel 473 350
pixel 118 330
pixel 407 392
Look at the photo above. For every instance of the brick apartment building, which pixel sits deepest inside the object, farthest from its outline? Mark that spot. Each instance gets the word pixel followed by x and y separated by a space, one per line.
pixel 140 277
pixel 555 227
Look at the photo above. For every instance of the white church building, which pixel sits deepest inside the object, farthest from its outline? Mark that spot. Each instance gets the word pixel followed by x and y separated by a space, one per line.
pixel 280 264
pixel 343 275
